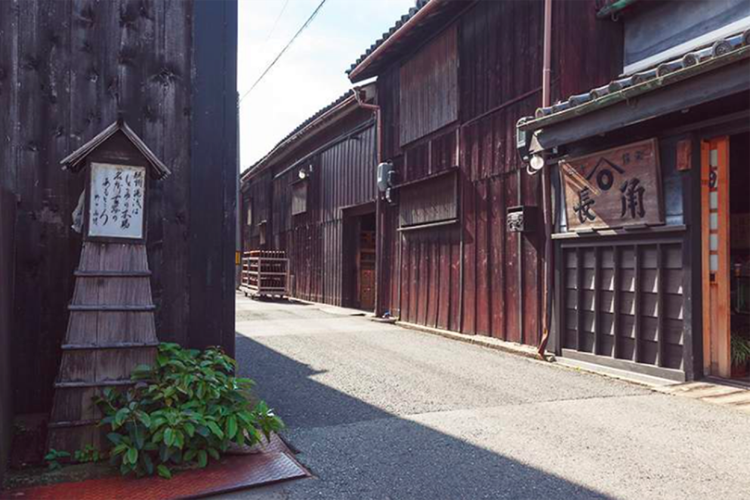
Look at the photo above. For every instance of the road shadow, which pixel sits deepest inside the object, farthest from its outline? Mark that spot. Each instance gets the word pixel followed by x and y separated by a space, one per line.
pixel 383 455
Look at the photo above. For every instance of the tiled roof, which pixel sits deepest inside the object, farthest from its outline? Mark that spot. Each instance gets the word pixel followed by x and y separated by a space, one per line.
pixel 417 7
pixel 289 138
pixel 597 98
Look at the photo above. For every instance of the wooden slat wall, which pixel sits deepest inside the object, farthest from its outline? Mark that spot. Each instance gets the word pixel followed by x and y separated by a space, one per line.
pixel 7 227
pixel 586 52
pixel 434 200
pixel 343 175
pixel 474 277
pixel 68 68
pixel 429 87
pixel 624 299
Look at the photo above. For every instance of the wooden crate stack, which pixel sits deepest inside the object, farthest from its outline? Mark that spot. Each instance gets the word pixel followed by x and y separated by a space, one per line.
pixel 265 273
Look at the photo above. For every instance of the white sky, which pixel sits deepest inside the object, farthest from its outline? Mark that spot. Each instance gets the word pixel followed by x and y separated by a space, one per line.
pixel 311 74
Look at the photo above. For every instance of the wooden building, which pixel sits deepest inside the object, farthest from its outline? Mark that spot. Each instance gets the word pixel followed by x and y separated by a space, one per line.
pixel 453 77
pixel 313 197
pixel 68 69
pixel 651 174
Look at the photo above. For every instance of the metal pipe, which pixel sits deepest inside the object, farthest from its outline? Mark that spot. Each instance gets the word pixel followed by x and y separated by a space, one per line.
pixel 546 187
pixel 378 202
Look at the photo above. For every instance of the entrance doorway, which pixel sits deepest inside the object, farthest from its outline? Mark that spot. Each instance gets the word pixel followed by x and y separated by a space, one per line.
pixel 359 261
pixel 725 179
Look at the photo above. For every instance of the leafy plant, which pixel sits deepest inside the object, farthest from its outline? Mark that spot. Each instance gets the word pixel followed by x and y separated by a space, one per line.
pixel 740 348
pixel 87 454
pixel 53 458
pixel 187 409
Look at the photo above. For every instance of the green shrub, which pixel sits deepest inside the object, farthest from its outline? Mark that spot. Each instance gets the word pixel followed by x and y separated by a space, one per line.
pixel 186 410
pixel 53 458
pixel 740 350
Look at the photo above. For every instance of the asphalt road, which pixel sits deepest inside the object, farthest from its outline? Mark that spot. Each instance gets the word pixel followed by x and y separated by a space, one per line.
pixel 382 412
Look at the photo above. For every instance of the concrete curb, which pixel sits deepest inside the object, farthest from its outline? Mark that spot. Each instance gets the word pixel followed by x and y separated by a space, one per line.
pixel 489 342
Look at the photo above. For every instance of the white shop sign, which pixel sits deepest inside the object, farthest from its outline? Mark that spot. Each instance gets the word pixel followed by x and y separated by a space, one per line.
pixel 116 203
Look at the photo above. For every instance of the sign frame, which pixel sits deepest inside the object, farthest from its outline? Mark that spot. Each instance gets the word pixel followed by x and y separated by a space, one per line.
pixel 571 170
pixel 87 205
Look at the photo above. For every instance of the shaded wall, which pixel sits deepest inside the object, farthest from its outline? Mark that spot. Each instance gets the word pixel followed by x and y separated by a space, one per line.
pixel 68 68
pixel 343 175
pixel 7 226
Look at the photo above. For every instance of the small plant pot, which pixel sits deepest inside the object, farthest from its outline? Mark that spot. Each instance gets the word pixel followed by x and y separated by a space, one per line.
pixel 739 371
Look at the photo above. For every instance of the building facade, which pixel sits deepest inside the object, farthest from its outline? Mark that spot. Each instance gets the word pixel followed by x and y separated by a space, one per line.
pixel 651 173
pixel 70 68
pixel 313 197
pixel 453 78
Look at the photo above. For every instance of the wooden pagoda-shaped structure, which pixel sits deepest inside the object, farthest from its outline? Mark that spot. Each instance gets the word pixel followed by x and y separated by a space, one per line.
pixel 111 327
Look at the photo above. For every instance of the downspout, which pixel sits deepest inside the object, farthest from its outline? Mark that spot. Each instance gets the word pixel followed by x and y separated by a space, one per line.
pixel 378 202
pixel 546 187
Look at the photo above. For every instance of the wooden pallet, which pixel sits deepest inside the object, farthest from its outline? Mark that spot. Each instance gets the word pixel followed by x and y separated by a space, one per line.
pixel 265 273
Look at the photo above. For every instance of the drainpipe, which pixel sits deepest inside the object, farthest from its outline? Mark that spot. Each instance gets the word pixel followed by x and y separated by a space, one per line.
pixel 378 202
pixel 546 187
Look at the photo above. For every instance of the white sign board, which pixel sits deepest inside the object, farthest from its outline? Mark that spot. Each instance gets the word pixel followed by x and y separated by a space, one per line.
pixel 116 202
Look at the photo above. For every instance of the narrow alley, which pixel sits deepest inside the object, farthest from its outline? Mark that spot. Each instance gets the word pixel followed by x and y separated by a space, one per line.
pixel 379 411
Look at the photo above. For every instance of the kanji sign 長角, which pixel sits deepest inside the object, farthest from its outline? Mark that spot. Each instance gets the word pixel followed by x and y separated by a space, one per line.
pixel 614 188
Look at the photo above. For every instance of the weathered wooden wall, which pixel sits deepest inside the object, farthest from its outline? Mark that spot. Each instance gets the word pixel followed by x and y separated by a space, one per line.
pixel 470 277
pixel 475 277
pixel 343 175
pixel 68 68
pixel 7 231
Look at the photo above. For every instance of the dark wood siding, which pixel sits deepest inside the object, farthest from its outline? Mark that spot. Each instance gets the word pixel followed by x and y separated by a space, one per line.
pixel 429 201
pixel 429 87
pixel 7 227
pixel 68 68
pixel 624 299
pixel 343 175
pixel 586 52
pixel 473 277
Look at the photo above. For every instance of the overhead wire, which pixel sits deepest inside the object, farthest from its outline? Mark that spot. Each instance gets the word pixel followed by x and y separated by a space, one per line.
pixel 276 22
pixel 273 63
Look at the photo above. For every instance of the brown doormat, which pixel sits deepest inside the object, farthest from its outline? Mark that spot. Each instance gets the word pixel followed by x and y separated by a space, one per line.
pixel 272 464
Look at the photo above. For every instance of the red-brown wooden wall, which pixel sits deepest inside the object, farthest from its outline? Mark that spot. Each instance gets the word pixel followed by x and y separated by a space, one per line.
pixel 343 175
pixel 474 277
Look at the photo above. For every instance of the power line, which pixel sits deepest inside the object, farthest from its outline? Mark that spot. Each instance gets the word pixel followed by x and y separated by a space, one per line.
pixel 276 22
pixel 265 72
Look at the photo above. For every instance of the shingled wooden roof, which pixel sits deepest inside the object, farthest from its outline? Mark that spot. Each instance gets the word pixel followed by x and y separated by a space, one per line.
pixel 75 161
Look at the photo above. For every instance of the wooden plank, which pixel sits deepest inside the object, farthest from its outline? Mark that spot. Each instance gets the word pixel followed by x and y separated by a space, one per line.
pixel 661 333
pixel 484 292
pixel 638 354
pixel 597 300
pixel 469 258
pixel 723 307
pixel 496 258
pixel 214 168
pixel 579 299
